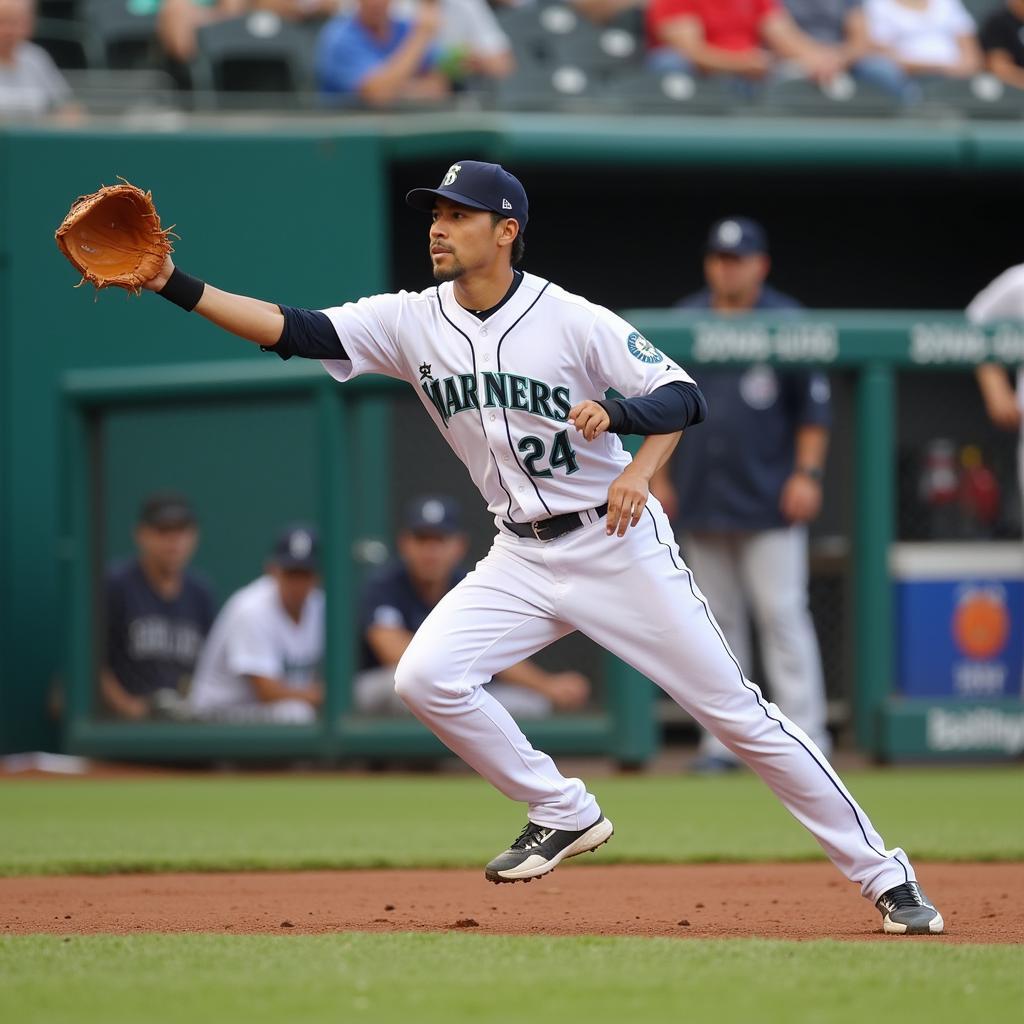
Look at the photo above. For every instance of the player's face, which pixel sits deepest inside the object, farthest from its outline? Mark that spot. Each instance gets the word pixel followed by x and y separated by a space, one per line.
pixel 735 278
pixel 431 558
pixel 294 586
pixel 166 551
pixel 462 240
pixel 15 24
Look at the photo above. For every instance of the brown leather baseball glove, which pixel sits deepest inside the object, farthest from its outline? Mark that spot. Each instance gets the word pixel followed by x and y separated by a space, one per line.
pixel 113 237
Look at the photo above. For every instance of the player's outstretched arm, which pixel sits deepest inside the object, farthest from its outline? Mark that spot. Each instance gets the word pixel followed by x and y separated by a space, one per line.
pixel 253 319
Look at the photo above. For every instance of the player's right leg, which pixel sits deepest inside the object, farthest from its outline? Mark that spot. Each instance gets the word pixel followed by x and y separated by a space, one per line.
pixel 501 613
pixel 637 597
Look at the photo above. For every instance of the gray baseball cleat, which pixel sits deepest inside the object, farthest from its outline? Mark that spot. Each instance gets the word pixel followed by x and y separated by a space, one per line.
pixel 906 910
pixel 539 850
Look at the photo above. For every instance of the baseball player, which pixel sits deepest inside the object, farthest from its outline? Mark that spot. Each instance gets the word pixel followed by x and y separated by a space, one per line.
pixel 513 371
pixel 261 662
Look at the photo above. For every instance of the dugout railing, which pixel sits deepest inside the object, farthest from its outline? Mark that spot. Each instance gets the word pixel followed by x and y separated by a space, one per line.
pixel 873 347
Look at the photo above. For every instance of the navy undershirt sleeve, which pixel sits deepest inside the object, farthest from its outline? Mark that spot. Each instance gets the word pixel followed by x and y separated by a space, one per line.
pixel 674 406
pixel 308 333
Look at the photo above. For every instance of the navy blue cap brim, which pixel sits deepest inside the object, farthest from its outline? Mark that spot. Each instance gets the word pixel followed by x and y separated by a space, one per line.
pixel 424 199
pixel 296 564
pixel 736 250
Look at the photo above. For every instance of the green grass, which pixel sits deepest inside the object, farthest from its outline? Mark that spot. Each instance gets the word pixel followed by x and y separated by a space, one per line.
pixel 216 823
pixel 163 979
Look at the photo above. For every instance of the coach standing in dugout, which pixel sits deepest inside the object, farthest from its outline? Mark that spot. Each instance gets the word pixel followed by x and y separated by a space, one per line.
pixel 741 490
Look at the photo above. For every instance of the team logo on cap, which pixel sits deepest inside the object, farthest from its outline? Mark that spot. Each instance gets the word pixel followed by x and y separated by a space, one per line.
pixel 730 233
pixel 453 173
pixel 640 347
pixel 300 544
pixel 433 511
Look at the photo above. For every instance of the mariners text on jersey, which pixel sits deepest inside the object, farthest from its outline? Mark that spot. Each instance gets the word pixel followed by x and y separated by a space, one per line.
pixel 497 391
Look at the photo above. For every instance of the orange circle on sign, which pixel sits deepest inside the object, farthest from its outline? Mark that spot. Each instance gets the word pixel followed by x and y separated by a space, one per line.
pixel 981 626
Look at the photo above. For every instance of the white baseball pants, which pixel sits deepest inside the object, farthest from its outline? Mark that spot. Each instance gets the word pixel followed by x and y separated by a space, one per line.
pixel 635 597
pixel 765 574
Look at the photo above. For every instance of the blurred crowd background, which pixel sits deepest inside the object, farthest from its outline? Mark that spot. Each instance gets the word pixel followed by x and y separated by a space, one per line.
pixel 884 57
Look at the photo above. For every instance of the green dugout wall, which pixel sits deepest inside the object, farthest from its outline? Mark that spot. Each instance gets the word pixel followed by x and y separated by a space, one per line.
pixel 302 212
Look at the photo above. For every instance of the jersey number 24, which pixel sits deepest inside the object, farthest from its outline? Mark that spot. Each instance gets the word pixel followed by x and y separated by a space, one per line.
pixel 562 454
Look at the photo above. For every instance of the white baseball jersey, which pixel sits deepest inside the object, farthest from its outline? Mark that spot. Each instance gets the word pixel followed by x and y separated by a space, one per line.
pixel 500 390
pixel 254 636
pixel 1002 299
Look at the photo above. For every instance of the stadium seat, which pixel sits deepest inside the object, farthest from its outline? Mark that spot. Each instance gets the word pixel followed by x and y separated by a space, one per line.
pixel 71 45
pixel 844 96
pixel 643 89
pixel 545 88
pixel 259 52
pixel 980 96
pixel 523 28
pixel 604 51
pixel 107 91
pixel 128 39
pixel 979 10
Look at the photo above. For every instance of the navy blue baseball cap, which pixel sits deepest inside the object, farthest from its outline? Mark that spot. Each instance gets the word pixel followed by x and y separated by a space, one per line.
pixel 433 513
pixel 297 547
pixel 737 236
pixel 167 510
pixel 480 186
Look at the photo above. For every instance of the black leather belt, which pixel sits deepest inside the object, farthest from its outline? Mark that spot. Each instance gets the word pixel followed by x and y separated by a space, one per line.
pixel 556 526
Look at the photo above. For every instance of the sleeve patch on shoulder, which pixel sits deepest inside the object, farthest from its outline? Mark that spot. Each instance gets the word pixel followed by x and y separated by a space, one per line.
pixel 642 349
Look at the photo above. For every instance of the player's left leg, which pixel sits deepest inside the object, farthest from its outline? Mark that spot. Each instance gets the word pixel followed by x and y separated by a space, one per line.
pixel 498 615
pixel 636 597
pixel 774 567
pixel 501 613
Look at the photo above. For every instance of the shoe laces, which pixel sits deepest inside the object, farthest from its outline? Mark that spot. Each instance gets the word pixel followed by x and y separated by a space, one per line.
pixel 906 895
pixel 530 836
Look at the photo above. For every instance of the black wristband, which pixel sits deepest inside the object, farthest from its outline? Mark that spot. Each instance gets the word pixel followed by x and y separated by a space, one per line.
pixel 183 290
pixel 812 472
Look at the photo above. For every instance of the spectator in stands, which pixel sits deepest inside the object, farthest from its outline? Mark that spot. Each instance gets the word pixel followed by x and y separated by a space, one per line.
pixel 397 599
pixel 743 488
pixel 157 614
pixel 262 661
pixel 472 42
pixel 841 25
pixel 30 84
pixel 933 38
pixel 1002 39
pixel 178 21
pixel 748 40
pixel 380 58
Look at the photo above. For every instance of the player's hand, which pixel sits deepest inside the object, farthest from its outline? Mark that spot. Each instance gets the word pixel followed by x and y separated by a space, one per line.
pixel 567 691
pixel 823 64
pixel 1003 410
pixel 627 498
pixel 428 17
pixel 154 284
pixel 755 64
pixel 133 708
pixel 590 419
pixel 801 499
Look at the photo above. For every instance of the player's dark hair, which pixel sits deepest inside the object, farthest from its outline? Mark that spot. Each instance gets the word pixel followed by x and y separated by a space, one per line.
pixel 518 246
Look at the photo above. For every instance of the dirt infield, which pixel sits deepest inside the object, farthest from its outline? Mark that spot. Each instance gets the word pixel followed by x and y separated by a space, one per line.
pixel 980 902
